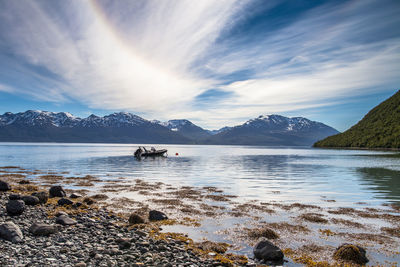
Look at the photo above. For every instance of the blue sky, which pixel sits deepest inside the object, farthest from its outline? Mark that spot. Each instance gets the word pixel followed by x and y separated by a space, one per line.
pixel 216 63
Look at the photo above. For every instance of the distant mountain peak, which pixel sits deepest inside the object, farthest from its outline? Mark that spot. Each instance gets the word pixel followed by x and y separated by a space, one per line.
pixel 119 127
pixel 273 130
pixel 185 128
pixel 65 119
pixel 279 122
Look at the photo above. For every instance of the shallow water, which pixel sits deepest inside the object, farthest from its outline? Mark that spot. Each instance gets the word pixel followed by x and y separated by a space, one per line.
pixel 274 176
pixel 304 175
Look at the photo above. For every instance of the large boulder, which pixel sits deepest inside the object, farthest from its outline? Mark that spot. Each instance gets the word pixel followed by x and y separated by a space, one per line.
pixel 30 200
pixel 57 191
pixel 135 219
pixel 4 186
pixel 43 229
pixel 65 220
pixel 11 232
pixel 268 252
pixel 155 215
pixel 15 207
pixel 14 197
pixel 64 201
pixel 351 253
pixel 42 196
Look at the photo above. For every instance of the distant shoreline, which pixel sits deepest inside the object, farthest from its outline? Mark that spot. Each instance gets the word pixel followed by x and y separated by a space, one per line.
pixel 360 148
pixel 197 144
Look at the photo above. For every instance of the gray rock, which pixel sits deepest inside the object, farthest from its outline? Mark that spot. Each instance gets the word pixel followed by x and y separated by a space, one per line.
pixel 4 186
pixel 43 229
pixel 57 191
pixel 80 264
pixel 65 220
pixel 14 197
pixel 155 215
pixel 73 195
pixel 61 213
pixel 42 196
pixel 15 207
pixel 11 232
pixel 135 219
pixel 88 201
pixel 64 201
pixel 123 243
pixel 141 233
pixel 30 200
pixel 265 250
pixel 77 204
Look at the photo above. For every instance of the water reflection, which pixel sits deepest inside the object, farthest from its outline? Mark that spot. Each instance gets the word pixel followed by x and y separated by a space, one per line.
pixel 385 183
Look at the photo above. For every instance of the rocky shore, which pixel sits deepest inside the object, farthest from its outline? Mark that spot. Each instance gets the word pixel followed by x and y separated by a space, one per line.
pixel 44 221
pixel 50 234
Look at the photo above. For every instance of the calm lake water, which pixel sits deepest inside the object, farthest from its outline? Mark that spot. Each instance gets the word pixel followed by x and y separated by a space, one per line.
pixel 264 173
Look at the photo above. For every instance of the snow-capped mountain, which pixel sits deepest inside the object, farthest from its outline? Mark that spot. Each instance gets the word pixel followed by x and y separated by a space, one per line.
pixel 39 118
pixel 121 119
pixel 283 124
pixel 274 130
pixel 122 127
pixel 65 119
pixel 185 128
pixel 223 129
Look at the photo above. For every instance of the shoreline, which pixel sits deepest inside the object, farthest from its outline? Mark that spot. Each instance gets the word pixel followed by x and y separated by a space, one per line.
pixel 294 226
pixel 359 148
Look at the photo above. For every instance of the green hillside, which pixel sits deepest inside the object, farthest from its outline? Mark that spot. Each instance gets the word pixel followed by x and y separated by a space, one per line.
pixel 380 128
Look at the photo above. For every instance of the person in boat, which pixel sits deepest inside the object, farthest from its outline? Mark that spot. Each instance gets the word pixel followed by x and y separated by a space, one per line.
pixel 138 152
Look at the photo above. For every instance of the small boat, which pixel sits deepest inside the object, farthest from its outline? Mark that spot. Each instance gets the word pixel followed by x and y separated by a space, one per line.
pixel 143 152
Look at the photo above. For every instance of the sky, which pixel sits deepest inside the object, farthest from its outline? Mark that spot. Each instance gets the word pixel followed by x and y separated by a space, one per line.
pixel 217 63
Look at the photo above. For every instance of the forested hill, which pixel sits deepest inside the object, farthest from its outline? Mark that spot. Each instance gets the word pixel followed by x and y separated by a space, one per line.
pixel 380 128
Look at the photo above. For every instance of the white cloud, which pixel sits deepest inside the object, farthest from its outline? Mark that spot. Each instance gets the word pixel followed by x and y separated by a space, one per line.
pixel 139 56
pixel 107 70
pixel 6 88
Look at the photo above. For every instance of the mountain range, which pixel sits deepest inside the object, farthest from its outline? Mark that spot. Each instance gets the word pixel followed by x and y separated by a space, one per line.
pixel 273 130
pixel 123 127
pixel 380 128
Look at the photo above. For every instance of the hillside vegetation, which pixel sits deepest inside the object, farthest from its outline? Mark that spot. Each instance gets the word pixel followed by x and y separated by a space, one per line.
pixel 380 128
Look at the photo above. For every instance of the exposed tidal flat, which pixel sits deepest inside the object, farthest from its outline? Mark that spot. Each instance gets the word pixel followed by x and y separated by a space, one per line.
pixel 255 193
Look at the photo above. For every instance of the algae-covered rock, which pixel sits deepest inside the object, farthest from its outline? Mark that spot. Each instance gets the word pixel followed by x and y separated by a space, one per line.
pixel 135 219
pixel 350 253
pixel 42 196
